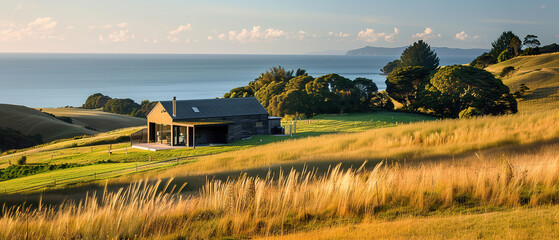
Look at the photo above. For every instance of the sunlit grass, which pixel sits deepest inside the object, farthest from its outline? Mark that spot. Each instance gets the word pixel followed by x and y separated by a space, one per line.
pixel 281 204
pixel 411 141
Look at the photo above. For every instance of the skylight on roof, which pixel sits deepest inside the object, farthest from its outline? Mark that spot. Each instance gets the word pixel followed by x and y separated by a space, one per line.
pixel 195 109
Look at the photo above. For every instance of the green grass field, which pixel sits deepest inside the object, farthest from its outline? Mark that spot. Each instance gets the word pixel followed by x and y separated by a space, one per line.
pixel 79 151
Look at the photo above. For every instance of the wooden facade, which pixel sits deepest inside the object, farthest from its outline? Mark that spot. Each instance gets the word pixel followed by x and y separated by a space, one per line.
pixel 201 122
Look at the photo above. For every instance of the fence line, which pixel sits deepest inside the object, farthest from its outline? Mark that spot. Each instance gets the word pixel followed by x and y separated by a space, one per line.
pixel 101 176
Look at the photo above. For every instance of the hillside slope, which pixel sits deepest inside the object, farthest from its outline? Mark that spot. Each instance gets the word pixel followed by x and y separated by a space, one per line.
pixel 540 73
pixel 30 122
pixel 97 120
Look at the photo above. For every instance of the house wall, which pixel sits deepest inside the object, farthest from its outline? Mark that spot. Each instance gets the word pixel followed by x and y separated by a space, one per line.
pixel 158 115
pixel 242 126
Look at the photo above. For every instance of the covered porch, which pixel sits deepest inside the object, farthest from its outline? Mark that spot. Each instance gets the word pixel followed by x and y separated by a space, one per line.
pixel 189 134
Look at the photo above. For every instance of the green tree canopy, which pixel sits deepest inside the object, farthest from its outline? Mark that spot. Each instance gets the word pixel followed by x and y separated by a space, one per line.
pixel 391 66
pixel 121 106
pixel 274 74
pixel 419 54
pixel 503 43
pixel 457 88
pixel 505 55
pixel 531 41
pixel 402 85
pixel 95 101
pixel 483 61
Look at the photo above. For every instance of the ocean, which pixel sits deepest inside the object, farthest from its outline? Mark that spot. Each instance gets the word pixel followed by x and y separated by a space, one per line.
pixel 57 80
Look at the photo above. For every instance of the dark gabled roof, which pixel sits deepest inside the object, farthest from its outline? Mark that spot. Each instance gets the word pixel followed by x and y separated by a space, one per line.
pixel 220 107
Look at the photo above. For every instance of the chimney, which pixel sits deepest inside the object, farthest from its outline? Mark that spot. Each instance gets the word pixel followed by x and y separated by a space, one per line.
pixel 174 106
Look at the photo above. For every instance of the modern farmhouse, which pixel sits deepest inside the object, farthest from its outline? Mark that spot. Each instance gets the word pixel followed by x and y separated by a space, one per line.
pixel 206 121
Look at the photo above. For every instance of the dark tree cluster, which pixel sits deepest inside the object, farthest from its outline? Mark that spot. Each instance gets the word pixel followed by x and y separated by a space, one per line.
pixel 96 101
pixel 452 91
pixel 284 92
pixel 124 106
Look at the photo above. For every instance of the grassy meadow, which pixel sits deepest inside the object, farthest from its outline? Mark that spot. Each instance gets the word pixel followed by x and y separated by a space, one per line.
pixel 390 195
pixel 404 143
pixel 92 151
pixel 540 73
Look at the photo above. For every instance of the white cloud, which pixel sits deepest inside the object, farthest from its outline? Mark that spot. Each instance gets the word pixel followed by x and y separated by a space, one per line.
pixel 122 25
pixel 256 34
pixel 121 36
pixel 221 36
pixel 463 36
pixel 155 41
pixel 182 28
pixel 91 27
pixel 210 38
pixel 543 6
pixel 427 34
pixel 301 35
pixel 43 24
pixel 101 38
pixel 173 39
pixel 70 27
pixel 19 6
pixel 338 35
pixel 369 35
pixel 40 28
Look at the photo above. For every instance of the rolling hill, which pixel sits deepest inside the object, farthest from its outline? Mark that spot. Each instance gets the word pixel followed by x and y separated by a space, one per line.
pixel 97 120
pixel 540 73
pixel 31 121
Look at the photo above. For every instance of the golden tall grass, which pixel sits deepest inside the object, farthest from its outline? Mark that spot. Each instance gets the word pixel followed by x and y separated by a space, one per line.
pixel 411 141
pixel 287 202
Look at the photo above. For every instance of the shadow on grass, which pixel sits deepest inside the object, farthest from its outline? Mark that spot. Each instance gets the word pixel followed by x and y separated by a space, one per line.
pixel 77 193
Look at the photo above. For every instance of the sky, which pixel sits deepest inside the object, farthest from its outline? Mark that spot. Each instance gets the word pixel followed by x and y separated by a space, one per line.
pixel 265 27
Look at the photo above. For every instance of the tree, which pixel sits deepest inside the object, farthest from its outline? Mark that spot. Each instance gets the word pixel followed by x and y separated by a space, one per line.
pixel 121 106
pixel 95 101
pixel 274 74
pixel 515 44
pixel 503 43
pixel 239 92
pixel 419 54
pixel 292 102
pixel 458 90
pixel 366 87
pixel 380 101
pixel 531 41
pixel 265 94
pixel 402 85
pixel 505 55
pixel 391 66
pixel 483 61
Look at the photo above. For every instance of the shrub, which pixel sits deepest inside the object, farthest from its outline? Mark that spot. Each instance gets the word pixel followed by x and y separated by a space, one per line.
pixel 506 71
pixel 22 160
